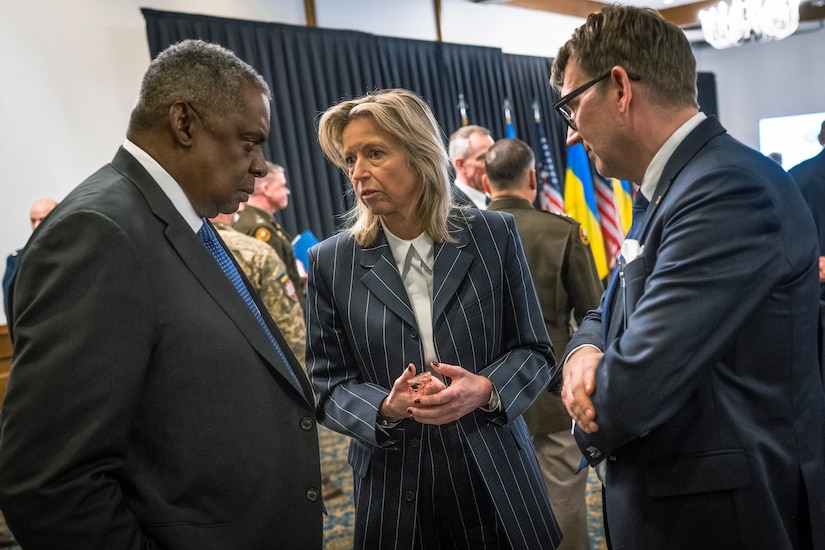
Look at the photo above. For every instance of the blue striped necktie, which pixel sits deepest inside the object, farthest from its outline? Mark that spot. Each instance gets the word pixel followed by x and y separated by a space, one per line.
pixel 207 235
pixel 640 204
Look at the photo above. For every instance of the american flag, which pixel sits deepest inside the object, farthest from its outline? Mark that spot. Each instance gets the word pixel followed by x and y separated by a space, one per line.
pixel 551 198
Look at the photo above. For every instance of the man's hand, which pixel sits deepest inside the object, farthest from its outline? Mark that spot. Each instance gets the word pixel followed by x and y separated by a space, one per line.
pixel 440 405
pixel 579 385
pixel 822 269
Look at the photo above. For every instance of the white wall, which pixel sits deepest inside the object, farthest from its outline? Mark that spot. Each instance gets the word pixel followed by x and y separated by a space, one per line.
pixel 759 80
pixel 71 71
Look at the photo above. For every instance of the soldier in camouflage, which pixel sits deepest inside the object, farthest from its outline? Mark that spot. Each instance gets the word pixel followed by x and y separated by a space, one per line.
pixel 268 275
pixel 257 219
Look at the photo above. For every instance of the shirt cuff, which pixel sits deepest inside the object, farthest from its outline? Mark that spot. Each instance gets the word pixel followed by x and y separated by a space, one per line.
pixel 494 404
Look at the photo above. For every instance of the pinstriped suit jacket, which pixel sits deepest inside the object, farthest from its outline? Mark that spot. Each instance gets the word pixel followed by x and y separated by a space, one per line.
pixel 361 334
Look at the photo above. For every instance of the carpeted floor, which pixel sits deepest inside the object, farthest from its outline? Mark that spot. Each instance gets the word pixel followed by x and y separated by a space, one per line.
pixel 338 525
pixel 340 519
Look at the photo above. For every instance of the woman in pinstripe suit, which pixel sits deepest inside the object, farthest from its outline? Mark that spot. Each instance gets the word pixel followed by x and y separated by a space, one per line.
pixel 417 286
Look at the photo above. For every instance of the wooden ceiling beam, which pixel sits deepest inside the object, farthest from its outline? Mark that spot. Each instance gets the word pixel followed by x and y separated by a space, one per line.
pixel 574 8
pixel 686 15
pixel 309 12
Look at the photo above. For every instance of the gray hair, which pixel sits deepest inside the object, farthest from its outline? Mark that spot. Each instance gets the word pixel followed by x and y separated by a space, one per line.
pixel 460 140
pixel 207 76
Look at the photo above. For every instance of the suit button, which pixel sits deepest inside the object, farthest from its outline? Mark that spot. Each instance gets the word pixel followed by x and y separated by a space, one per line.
pixel 307 423
pixel 415 442
pixel 413 334
pixel 313 494
pixel 409 496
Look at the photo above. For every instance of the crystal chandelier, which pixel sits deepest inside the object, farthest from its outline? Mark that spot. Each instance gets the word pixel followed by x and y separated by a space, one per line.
pixel 724 26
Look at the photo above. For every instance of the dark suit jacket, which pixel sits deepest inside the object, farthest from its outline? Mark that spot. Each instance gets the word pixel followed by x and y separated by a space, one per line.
pixel 146 407
pixel 708 397
pixel 810 177
pixel 11 267
pixel 362 333
pixel 566 282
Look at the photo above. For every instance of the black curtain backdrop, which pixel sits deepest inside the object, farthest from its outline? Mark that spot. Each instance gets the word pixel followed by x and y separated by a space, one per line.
pixel 310 69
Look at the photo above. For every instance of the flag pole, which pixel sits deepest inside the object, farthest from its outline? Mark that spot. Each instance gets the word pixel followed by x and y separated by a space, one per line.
pixel 462 110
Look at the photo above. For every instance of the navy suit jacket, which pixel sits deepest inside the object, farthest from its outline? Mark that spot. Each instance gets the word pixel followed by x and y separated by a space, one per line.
pixel 146 407
pixel 362 333
pixel 708 398
pixel 810 177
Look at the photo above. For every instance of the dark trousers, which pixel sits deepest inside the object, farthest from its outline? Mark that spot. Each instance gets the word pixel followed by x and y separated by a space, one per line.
pixel 454 508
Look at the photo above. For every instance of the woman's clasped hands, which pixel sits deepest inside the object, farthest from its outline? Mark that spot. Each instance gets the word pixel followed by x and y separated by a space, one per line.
pixel 427 399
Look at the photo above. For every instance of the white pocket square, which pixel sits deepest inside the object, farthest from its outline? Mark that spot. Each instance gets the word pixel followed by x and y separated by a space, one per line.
pixel 631 249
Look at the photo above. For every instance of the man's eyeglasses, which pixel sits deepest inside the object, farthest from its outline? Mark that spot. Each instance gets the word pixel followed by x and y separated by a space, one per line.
pixel 566 112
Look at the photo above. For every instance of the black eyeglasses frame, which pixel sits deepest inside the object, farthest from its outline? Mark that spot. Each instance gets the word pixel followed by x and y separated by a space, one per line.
pixel 560 106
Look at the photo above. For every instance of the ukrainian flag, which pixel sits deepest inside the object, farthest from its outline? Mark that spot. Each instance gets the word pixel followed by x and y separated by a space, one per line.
pixel 623 192
pixel 580 203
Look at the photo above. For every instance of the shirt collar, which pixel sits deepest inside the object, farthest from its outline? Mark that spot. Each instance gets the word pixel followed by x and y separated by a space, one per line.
pixel 167 184
pixel 423 246
pixel 479 198
pixel 657 165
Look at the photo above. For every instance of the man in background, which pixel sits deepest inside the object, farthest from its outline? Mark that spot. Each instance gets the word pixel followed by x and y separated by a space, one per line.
pixel 695 386
pixel 153 402
pixel 39 210
pixel 468 145
pixel 810 177
pixel 266 272
pixel 258 219
pixel 568 285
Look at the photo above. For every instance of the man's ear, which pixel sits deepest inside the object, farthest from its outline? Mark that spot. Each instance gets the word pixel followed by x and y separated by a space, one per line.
pixel 622 81
pixel 181 119
pixel 485 181
pixel 533 182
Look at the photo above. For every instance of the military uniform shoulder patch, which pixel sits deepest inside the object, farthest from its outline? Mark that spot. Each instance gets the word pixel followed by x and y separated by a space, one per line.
pixel 289 288
pixel 263 234
pixel 583 235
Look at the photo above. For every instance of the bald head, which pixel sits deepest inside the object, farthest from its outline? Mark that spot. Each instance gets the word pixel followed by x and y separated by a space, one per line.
pixel 39 210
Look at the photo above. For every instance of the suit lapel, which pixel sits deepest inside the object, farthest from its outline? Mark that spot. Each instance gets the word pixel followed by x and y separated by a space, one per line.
pixel 204 268
pixel 384 281
pixel 684 153
pixel 450 266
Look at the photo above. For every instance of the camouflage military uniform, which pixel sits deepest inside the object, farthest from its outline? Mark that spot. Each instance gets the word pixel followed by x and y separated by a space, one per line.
pixel 267 273
pixel 264 227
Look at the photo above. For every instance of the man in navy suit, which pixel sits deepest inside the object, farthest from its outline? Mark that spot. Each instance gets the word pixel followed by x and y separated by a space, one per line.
pixel 148 406
pixel 810 177
pixel 695 386
pixel 37 213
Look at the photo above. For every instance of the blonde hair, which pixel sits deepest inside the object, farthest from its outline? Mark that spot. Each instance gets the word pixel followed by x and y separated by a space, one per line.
pixel 406 117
